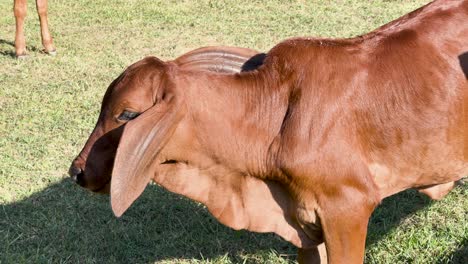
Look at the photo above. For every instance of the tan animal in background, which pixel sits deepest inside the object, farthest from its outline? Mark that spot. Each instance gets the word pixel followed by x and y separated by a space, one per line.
pixel 20 14
pixel 307 143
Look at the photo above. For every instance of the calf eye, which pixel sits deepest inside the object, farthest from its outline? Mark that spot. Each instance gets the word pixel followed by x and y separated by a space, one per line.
pixel 127 115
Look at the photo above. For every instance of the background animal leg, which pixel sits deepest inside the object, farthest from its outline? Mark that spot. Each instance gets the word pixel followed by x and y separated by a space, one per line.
pixel 47 41
pixel 20 14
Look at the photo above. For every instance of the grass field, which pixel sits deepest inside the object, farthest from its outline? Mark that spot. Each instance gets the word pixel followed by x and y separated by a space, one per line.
pixel 48 107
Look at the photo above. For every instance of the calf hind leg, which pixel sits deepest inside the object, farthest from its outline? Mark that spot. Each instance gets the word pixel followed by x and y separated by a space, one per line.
pixel 437 192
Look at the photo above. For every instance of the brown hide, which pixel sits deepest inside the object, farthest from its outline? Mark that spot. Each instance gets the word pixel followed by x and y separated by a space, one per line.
pixel 309 141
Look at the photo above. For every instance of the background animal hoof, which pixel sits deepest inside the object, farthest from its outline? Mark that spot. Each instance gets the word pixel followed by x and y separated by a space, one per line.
pixel 22 56
pixel 51 53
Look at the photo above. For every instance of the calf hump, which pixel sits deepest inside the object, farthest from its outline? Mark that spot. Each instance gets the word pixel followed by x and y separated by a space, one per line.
pixel 221 59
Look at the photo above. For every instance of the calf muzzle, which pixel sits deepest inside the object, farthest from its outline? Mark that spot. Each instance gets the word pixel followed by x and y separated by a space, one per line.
pixel 76 174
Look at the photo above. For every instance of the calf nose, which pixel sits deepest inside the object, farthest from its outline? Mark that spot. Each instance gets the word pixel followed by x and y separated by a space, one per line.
pixel 75 173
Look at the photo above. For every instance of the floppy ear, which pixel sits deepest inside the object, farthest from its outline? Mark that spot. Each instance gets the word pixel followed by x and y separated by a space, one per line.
pixel 141 141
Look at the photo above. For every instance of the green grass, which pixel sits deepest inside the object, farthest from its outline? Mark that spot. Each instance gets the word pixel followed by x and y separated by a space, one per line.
pixel 48 107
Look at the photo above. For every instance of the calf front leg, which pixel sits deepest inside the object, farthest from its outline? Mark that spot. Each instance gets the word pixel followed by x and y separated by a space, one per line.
pixel 316 255
pixel 19 9
pixel 47 41
pixel 345 228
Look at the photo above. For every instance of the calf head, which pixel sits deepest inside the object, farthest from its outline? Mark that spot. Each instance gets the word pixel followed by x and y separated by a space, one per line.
pixel 141 87
pixel 132 93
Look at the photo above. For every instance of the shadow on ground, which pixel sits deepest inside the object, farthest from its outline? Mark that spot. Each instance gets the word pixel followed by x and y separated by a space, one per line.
pixel 460 256
pixel 392 211
pixel 9 51
pixel 65 223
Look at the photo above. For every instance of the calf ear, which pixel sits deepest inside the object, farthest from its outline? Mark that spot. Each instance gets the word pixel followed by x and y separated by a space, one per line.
pixel 141 141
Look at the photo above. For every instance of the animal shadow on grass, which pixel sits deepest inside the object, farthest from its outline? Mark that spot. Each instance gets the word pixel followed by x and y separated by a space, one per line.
pixel 396 208
pixel 65 223
pixel 392 211
pixel 10 51
pixel 460 256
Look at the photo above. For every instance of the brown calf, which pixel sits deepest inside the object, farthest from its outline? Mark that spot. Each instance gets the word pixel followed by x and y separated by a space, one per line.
pixel 307 144
pixel 20 15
